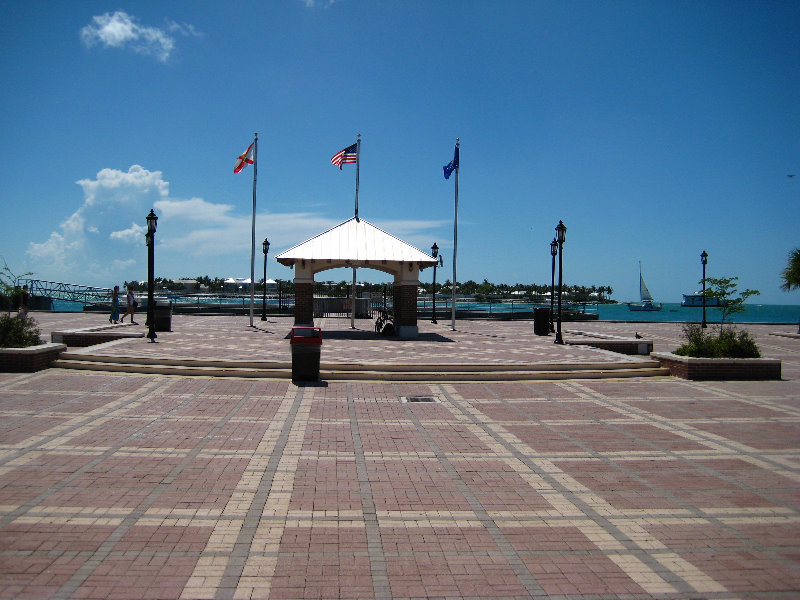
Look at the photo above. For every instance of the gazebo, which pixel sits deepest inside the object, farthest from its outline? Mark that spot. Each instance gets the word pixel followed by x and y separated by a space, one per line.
pixel 358 244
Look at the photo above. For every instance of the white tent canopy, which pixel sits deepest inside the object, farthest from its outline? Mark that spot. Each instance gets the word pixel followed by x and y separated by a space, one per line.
pixel 356 243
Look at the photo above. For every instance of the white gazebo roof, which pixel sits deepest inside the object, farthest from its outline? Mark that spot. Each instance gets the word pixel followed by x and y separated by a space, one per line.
pixel 356 243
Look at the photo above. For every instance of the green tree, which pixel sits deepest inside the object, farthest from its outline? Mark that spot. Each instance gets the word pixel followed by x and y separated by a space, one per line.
pixel 791 274
pixel 485 288
pixel 9 290
pixel 18 332
pixel 135 286
pixel 725 289
pixel 467 288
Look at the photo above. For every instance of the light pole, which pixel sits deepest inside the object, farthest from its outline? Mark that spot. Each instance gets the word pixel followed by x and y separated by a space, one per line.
pixel 150 239
pixel 561 232
pixel 265 247
pixel 440 262
pixel 704 260
pixel 553 252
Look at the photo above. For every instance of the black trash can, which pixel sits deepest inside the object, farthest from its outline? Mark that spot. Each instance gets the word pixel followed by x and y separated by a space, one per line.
pixel 306 344
pixel 162 315
pixel 541 321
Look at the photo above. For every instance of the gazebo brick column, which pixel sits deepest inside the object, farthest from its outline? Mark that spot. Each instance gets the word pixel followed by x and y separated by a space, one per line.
pixel 304 303
pixel 405 309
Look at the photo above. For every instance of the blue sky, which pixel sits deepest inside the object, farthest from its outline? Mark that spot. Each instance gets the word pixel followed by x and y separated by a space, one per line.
pixel 655 130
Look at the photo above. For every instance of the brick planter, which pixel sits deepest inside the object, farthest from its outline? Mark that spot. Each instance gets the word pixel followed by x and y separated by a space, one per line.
pixel 27 360
pixel 687 367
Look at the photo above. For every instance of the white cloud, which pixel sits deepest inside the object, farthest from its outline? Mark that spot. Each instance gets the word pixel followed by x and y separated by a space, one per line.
pixel 183 28
pixel 118 187
pixel 121 30
pixel 195 209
pixel 313 3
pixel 203 229
pixel 90 240
pixel 134 233
pixel 120 265
pixel 56 253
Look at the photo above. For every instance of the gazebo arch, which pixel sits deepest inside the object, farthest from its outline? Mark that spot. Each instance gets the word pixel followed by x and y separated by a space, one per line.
pixel 358 244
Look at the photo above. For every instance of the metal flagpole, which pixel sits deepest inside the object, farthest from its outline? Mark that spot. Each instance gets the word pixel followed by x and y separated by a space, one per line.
pixel 455 249
pixel 358 159
pixel 353 307
pixel 253 240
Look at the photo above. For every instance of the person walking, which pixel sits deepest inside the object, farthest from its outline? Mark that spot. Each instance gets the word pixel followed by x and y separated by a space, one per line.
pixel 131 300
pixel 114 318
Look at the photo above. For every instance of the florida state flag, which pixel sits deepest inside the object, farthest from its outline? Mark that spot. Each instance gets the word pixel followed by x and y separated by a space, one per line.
pixel 244 159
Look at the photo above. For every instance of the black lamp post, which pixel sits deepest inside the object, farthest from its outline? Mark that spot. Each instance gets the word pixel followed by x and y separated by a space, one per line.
pixel 265 247
pixel 561 232
pixel 704 260
pixel 150 240
pixel 553 252
pixel 440 262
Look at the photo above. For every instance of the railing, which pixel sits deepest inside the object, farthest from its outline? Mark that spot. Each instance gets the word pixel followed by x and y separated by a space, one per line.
pixel 67 291
pixel 365 307
pixel 326 306
pixel 589 308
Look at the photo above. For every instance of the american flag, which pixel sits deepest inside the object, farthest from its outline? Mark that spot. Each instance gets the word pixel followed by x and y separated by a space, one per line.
pixel 348 155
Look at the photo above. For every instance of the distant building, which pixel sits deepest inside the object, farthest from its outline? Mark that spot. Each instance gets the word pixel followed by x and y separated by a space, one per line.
pixel 190 285
pixel 242 284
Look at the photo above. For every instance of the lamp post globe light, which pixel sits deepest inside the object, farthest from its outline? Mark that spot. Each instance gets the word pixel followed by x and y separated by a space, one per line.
pixel 149 237
pixel 704 261
pixel 265 247
pixel 561 231
pixel 553 252
pixel 440 262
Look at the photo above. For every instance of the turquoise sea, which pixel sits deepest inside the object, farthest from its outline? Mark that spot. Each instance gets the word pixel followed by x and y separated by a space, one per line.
pixel 754 313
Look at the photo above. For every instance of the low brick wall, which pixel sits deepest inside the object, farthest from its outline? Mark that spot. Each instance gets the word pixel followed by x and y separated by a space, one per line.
pixel 27 360
pixel 687 367
pixel 622 346
pixel 90 336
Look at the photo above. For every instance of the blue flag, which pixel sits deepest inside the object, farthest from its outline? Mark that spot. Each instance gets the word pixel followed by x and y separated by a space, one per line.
pixel 451 166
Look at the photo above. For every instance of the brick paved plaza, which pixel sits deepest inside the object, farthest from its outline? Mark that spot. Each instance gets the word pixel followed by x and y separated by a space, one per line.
pixel 152 486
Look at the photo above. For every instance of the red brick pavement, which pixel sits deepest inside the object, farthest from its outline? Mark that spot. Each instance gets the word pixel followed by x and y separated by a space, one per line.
pixel 134 486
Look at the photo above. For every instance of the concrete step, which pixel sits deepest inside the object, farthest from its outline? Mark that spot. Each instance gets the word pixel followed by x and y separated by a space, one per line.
pixel 345 371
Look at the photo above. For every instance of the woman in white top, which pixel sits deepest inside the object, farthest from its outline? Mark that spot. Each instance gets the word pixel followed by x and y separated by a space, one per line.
pixel 131 307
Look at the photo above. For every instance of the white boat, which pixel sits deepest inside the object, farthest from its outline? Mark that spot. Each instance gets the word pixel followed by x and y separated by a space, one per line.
pixel 696 300
pixel 645 296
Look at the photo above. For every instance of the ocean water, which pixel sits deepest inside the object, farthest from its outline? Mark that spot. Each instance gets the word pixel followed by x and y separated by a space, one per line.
pixel 670 312
pixel 65 306
pixel 753 313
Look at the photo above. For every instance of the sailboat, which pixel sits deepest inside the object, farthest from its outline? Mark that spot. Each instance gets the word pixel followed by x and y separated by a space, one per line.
pixel 645 296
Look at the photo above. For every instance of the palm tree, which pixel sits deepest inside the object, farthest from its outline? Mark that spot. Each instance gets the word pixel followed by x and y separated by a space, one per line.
pixel 791 274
